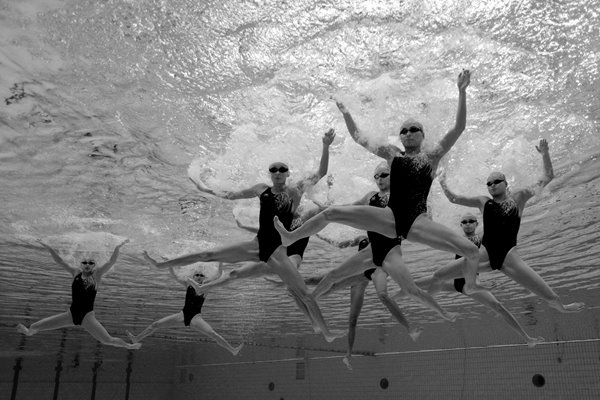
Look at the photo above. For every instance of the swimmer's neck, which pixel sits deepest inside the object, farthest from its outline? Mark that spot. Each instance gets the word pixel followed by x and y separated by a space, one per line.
pixel 499 198
pixel 412 151
pixel 278 187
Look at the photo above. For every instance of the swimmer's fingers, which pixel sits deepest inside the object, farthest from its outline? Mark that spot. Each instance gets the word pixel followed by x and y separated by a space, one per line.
pixel 199 184
pixel 329 136
pixel 543 146
pixel 464 79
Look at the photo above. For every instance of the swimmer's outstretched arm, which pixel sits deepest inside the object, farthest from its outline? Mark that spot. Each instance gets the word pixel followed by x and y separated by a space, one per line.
pixel 548 174
pixel 249 228
pixel 476 201
pixel 446 143
pixel 58 259
pixel 387 151
pixel 323 164
pixel 522 195
pixel 113 259
pixel 248 193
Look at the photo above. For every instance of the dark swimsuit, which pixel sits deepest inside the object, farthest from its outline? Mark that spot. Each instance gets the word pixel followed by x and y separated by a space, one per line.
pixel 501 222
pixel 82 298
pixel 459 283
pixel 193 305
pixel 280 205
pixel 380 244
pixel 409 187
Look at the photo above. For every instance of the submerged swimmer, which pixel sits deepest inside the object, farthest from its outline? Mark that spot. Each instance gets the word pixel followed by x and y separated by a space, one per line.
pixel 412 173
pixel 86 278
pixel 279 200
pixel 501 221
pixel 188 316
pixel 357 295
pixel 469 225
pixel 368 272
pixel 376 255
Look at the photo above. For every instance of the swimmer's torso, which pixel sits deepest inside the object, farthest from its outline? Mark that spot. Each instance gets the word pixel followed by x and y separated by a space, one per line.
pixel 83 295
pixel 380 244
pixel 282 204
pixel 411 179
pixel 501 222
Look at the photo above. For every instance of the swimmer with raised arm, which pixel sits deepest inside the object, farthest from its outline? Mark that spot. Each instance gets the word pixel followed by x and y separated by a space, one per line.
pixel 501 221
pixel 380 247
pixel 412 173
pixel 188 316
pixel 86 279
pixel 279 200
pixel 469 224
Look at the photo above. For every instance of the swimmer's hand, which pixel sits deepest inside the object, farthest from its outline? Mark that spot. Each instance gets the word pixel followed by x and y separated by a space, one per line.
pixel 203 188
pixel 192 283
pixel 149 259
pixel 464 78
pixel 543 147
pixel 42 243
pixel 328 137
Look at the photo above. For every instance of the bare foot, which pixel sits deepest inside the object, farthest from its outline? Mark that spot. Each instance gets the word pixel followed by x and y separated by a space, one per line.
pixel 236 350
pixel 414 332
pixel 476 288
pixel 531 341
pixel 332 335
pixel 346 361
pixel 131 336
pixel 567 308
pixel 285 235
pixel 450 316
pixel 149 259
pixel 316 328
pixel 134 346
pixel 22 329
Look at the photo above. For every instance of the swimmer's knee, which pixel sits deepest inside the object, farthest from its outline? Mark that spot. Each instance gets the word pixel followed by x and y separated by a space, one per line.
pixel 332 212
pixel 383 297
pixel 470 251
pixel 329 212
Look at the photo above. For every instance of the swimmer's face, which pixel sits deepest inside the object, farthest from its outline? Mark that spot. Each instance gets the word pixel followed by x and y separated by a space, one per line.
pixel 88 266
pixel 411 133
pixel 496 183
pixel 469 224
pixel 279 172
pixel 382 177
pixel 199 277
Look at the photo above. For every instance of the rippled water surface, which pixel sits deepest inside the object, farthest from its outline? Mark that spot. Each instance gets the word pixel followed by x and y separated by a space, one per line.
pixel 110 105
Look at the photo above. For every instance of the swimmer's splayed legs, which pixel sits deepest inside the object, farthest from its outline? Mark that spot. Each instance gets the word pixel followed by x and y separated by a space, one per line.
pixel 289 274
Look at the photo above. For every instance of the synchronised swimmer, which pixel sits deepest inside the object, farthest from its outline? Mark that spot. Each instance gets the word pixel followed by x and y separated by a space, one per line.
pixel 397 211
